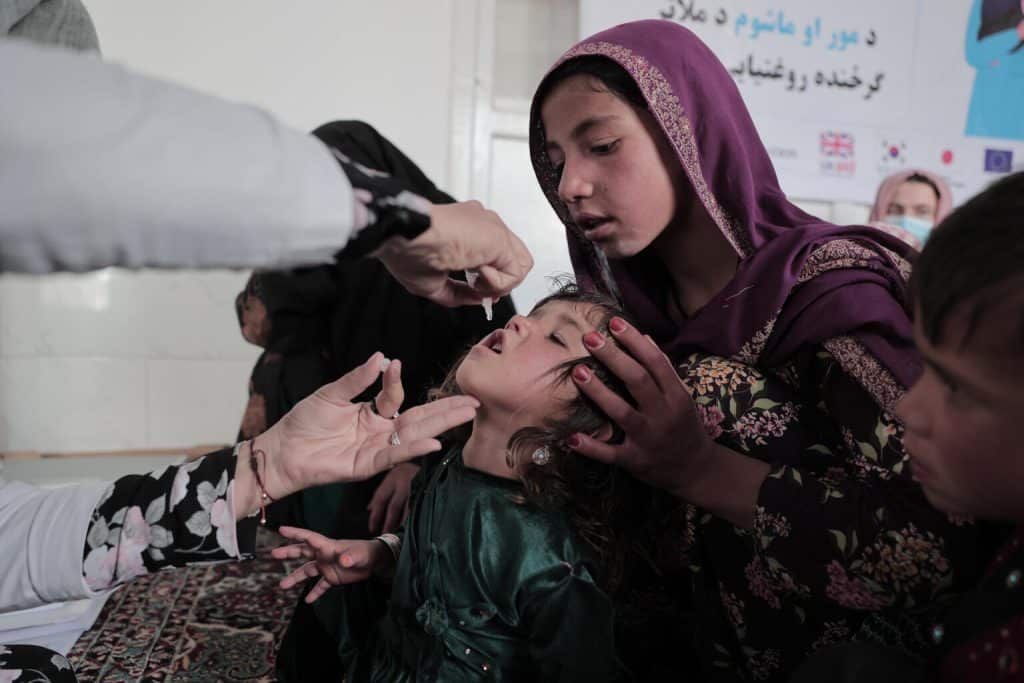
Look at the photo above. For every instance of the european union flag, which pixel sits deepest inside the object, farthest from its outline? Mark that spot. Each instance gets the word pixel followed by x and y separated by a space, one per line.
pixel 998 160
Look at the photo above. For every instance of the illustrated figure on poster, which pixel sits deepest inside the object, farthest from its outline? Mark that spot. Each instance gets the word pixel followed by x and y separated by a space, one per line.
pixel 995 47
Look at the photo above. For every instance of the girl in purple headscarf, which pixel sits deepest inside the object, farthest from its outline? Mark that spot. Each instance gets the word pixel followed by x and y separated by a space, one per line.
pixel 644 147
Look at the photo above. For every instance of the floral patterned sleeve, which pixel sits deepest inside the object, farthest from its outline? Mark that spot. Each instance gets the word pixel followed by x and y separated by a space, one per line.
pixel 168 518
pixel 844 544
pixel 846 520
pixel 384 208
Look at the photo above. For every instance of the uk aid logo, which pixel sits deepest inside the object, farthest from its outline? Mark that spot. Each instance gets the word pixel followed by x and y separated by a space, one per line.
pixel 837 151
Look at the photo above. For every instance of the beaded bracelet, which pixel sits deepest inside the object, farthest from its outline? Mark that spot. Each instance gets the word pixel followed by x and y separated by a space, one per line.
pixel 264 496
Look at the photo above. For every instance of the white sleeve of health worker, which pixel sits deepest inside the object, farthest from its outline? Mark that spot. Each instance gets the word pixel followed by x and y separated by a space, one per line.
pixel 42 533
pixel 100 166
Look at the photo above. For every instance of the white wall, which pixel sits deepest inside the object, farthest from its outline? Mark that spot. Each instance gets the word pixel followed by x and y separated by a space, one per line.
pixel 120 360
pixel 133 360
pixel 308 61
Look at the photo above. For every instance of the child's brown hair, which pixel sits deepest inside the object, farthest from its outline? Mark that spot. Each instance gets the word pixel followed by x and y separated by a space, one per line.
pixel 973 260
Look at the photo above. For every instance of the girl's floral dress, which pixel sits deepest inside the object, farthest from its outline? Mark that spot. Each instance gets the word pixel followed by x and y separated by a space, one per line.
pixel 834 555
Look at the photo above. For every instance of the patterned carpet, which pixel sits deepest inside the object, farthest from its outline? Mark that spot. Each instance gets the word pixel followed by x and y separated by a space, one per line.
pixel 212 623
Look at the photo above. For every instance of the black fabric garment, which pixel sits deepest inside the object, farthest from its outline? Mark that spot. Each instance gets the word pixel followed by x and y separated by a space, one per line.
pixel 34 664
pixel 368 311
pixel 986 606
pixel 373 311
pixel 288 314
pixel 996 603
pixel 324 321
pixel 860 662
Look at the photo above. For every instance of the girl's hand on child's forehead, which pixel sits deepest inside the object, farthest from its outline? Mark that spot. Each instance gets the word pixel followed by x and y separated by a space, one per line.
pixel 665 422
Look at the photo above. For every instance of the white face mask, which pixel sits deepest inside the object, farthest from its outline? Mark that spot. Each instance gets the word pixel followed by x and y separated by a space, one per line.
pixel 918 227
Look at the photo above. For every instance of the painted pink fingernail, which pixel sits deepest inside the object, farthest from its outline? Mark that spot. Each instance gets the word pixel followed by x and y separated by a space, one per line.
pixel 593 340
pixel 617 325
pixel 574 441
pixel 581 373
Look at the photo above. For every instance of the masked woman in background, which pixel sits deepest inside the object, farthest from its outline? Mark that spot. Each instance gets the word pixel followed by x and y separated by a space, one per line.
pixel 910 203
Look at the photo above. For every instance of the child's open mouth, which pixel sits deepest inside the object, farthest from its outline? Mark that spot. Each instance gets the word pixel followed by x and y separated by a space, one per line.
pixel 494 341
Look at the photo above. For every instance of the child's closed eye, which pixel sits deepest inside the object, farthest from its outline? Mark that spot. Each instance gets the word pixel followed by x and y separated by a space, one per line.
pixel 554 336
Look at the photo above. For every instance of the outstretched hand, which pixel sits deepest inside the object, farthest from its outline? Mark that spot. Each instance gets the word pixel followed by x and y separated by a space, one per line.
pixel 326 438
pixel 335 562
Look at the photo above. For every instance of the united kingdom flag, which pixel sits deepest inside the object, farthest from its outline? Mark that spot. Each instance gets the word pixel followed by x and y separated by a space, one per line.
pixel 836 145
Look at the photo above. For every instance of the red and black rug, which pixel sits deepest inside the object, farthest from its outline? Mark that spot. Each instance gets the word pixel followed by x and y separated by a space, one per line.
pixel 211 623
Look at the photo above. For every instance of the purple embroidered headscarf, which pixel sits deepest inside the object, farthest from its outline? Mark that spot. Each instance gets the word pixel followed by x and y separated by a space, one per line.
pixel 801 281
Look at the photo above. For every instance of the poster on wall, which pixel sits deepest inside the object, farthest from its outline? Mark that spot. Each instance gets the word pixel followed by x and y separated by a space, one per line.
pixel 846 93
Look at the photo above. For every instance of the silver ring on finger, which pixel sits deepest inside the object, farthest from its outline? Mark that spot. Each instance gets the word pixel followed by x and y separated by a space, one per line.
pixel 395 441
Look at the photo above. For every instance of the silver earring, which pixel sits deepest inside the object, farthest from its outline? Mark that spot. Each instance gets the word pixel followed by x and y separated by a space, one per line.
pixel 541 456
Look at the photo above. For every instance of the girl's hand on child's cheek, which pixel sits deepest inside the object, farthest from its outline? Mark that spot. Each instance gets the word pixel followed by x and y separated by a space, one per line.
pixel 335 562
pixel 665 442
pixel 388 505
